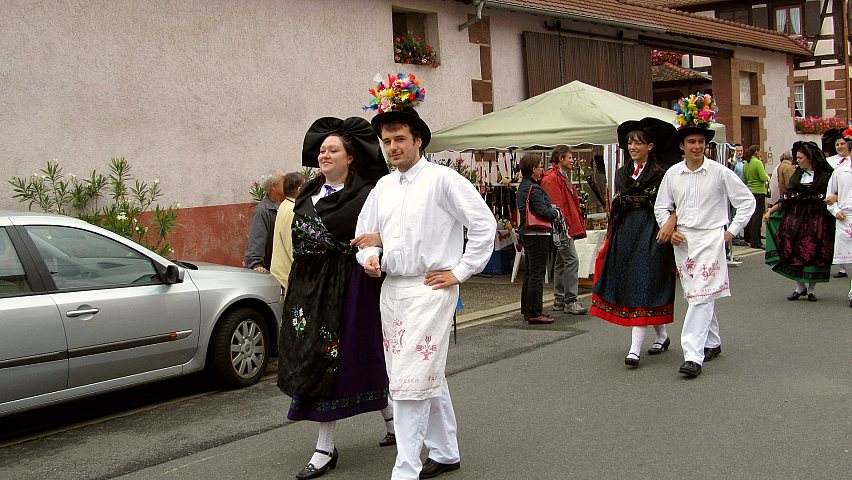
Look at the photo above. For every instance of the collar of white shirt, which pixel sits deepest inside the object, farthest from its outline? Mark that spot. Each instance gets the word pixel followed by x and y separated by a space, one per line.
pixel 685 169
pixel 413 171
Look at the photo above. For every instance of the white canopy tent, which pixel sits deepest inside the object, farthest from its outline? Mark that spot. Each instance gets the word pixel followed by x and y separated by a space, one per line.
pixel 572 114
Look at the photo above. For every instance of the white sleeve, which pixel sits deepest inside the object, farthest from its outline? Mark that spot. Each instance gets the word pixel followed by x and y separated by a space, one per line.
pixel 664 203
pixel 466 205
pixel 741 198
pixel 368 222
pixel 832 190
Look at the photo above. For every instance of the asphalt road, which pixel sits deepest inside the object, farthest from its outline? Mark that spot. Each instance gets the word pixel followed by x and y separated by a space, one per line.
pixel 532 403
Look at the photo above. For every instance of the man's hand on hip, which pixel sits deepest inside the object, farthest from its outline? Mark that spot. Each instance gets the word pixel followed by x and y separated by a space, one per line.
pixel 441 279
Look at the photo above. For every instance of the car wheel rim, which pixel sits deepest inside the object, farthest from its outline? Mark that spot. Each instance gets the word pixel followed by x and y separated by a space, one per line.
pixel 247 349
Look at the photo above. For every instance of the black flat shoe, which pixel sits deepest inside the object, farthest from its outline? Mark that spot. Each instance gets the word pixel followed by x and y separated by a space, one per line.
pixel 658 348
pixel 812 297
pixel 311 471
pixel 709 353
pixel 690 369
pixel 795 295
pixel 390 439
pixel 432 468
pixel 631 359
pixel 839 274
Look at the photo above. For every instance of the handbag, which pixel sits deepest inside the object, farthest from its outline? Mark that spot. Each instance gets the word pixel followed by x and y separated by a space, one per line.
pixel 534 222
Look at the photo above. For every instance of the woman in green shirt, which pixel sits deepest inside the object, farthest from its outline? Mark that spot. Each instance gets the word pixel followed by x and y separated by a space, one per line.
pixel 754 176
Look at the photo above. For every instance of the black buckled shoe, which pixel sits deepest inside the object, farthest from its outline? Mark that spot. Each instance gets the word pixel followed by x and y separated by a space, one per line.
pixel 812 297
pixel 432 468
pixel 709 353
pixel 390 439
pixel 795 295
pixel 632 359
pixel 658 348
pixel 690 369
pixel 311 471
pixel 840 275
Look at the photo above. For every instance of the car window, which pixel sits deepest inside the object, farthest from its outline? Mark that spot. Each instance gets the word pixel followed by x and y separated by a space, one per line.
pixel 81 259
pixel 13 279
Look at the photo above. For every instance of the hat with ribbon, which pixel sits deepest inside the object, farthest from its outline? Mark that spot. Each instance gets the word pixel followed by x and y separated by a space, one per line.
pixel 394 98
pixel 695 113
pixel 367 159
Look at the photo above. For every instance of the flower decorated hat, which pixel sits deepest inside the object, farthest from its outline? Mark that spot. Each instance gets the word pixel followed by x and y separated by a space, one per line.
pixel 394 99
pixel 695 113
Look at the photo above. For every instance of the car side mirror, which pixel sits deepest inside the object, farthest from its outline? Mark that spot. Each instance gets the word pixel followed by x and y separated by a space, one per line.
pixel 173 274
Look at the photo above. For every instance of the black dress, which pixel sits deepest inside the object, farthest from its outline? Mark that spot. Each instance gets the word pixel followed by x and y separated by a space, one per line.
pixel 331 361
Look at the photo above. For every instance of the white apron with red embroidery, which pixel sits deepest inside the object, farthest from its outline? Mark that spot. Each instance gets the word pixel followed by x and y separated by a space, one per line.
pixel 701 264
pixel 416 324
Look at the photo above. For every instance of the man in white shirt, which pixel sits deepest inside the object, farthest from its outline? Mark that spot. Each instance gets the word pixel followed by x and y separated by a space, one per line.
pixel 699 191
pixel 840 184
pixel 842 158
pixel 420 211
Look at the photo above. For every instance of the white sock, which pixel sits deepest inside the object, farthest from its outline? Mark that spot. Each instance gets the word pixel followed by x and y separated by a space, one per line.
pixel 662 335
pixel 811 287
pixel 325 442
pixel 387 414
pixel 638 334
pixel 800 287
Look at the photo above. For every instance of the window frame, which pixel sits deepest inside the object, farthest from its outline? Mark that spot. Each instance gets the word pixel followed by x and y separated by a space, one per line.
pixel 799 89
pixel 31 267
pixel 787 9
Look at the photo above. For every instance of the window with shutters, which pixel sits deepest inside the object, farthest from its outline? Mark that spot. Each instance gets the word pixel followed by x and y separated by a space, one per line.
pixel 739 15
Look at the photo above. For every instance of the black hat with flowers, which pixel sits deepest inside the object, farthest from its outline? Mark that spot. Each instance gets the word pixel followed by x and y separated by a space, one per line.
pixel 394 98
pixel 695 113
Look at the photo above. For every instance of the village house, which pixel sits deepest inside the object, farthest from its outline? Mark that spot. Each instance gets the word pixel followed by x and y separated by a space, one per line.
pixel 208 95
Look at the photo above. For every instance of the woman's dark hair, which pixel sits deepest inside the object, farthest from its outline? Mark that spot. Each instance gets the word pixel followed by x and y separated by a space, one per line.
pixel 751 151
pixel 528 163
pixel 639 135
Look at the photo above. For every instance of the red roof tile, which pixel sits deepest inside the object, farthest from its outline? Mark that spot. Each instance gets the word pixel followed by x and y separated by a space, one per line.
pixel 669 72
pixel 653 18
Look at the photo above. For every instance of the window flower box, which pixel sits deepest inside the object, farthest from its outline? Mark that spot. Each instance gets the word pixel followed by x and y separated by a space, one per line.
pixel 412 49
pixel 817 125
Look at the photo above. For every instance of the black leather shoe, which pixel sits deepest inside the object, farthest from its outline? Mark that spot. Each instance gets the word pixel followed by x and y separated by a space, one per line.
pixel 839 274
pixel 709 353
pixel 390 439
pixel 850 303
pixel 311 471
pixel 631 359
pixel 432 468
pixel 658 348
pixel 690 369
pixel 811 297
pixel 795 295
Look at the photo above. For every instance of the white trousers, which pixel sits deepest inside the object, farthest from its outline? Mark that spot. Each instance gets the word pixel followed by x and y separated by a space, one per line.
pixel 430 422
pixel 700 331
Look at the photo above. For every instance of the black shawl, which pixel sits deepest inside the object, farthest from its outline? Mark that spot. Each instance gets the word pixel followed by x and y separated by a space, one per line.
pixel 339 211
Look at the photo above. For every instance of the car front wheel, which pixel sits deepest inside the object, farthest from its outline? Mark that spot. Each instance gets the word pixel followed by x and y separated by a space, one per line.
pixel 240 348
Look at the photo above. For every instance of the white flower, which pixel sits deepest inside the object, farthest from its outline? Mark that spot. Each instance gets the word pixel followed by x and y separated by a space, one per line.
pixel 121 216
pixel 171 250
pixel 73 177
pixel 156 181
pixel 177 205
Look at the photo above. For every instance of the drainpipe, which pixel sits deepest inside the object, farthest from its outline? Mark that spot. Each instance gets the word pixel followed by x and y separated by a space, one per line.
pixel 479 4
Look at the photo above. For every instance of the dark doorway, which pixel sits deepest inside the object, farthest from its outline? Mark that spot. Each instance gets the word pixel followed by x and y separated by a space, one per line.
pixel 749 129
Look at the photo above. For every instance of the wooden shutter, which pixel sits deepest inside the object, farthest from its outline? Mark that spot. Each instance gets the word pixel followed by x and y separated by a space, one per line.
pixel 812 20
pixel 813 98
pixel 760 17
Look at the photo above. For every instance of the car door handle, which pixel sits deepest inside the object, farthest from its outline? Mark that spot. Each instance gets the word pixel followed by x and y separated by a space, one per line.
pixel 81 312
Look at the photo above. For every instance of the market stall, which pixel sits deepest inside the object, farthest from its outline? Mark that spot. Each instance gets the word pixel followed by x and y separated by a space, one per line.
pixel 486 149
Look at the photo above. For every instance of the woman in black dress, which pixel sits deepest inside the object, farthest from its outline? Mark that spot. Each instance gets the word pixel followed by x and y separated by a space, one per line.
pixel 331 361
pixel 635 271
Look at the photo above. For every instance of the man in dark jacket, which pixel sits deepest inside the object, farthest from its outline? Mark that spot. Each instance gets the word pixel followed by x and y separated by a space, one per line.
pixel 259 247
pixel 564 195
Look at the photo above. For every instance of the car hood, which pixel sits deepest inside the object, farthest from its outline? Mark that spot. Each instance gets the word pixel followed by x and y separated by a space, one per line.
pixel 209 277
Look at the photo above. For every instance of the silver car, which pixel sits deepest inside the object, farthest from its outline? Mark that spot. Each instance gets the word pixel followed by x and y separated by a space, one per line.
pixel 84 311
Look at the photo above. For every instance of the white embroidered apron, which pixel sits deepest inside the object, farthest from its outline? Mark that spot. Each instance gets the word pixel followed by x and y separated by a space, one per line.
pixel 843 240
pixel 701 264
pixel 416 324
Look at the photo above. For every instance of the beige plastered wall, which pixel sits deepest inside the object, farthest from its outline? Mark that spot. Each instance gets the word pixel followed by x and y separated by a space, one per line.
pixel 207 95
